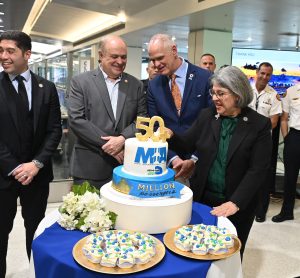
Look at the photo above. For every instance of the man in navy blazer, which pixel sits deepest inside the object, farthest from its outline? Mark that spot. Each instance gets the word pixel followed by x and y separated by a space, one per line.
pixel 193 83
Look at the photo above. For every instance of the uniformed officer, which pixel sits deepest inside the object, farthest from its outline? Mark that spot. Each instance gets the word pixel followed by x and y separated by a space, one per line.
pixel 291 153
pixel 267 102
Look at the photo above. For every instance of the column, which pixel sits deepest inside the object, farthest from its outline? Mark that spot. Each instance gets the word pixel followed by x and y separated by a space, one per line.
pixel 217 43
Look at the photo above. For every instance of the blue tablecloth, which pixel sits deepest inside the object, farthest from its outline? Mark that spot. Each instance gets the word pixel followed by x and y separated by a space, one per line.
pixel 52 254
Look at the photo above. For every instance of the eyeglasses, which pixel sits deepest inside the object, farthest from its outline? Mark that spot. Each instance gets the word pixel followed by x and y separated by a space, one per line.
pixel 218 94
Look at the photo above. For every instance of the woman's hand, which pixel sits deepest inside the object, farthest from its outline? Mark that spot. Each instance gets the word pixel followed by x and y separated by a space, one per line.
pixel 226 209
pixel 183 168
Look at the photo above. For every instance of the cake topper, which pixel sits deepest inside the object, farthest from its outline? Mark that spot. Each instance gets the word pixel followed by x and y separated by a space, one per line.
pixel 160 135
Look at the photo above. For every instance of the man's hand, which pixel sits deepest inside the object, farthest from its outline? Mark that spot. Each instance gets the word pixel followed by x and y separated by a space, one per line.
pixel 119 157
pixel 183 168
pixel 113 145
pixel 226 209
pixel 25 173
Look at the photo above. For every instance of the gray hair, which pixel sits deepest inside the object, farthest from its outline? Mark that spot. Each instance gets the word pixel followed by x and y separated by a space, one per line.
pixel 164 39
pixel 105 39
pixel 233 79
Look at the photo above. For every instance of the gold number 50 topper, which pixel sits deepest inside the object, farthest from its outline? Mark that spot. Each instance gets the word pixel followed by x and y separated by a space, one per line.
pixel 162 135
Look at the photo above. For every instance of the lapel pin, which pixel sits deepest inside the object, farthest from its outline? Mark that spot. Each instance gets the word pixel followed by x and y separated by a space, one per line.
pixel 126 81
pixel 41 85
pixel 217 116
pixel 191 76
pixel 245 119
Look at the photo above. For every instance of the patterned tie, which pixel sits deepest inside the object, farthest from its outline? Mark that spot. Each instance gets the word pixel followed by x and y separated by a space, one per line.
pixel 176 93
pixel 22 91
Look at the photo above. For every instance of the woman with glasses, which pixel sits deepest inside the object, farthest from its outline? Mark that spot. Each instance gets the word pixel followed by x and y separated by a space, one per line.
pixel 234 146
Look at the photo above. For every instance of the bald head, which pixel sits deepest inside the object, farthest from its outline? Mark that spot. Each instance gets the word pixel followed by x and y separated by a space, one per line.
pixel 163 54
pixel 208 62
pixel 112 55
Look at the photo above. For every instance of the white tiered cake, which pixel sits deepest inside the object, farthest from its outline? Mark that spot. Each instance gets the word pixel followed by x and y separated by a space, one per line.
pixel 143 193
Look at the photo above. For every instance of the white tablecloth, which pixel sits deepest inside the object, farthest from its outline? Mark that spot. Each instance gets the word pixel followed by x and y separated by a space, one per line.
pixel 228 268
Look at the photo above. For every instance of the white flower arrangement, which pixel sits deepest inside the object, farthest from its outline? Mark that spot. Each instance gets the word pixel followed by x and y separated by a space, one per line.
pixel 83 209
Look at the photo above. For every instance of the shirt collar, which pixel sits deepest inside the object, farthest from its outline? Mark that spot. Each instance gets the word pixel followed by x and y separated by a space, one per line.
pixel 182 70
pixel 25 74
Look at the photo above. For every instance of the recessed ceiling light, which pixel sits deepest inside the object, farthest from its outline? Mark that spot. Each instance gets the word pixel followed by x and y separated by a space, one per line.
pixel 249 39
pixel 1 13
pixel 173 38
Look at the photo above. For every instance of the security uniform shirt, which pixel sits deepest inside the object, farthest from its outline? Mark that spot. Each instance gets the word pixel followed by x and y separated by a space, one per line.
pixel 267 102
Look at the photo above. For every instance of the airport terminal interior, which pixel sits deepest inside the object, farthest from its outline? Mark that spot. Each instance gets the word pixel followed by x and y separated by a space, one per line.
pixel 65 35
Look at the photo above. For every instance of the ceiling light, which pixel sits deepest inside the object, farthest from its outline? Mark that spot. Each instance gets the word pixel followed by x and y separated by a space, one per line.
pixel 1 13
pixel 122 17
pixel 1 20
pixel 173 38
pixel 249 39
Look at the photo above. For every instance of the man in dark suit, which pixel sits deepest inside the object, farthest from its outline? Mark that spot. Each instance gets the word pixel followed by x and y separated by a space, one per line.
pixel 193 83
pixel 29 135
pixel 103 106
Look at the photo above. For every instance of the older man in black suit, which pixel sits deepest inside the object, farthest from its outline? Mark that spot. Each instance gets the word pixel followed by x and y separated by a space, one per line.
pixel 30 132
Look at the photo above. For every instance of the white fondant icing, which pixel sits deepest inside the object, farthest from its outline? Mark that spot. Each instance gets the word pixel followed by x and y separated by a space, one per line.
pixel 152 216
pixel 145 158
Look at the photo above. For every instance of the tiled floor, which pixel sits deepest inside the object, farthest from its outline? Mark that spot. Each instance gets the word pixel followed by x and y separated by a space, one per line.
pixel 273 250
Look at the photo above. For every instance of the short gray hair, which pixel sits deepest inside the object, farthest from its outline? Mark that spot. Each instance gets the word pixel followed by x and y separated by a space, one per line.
pixel 233 79
pixel 164 39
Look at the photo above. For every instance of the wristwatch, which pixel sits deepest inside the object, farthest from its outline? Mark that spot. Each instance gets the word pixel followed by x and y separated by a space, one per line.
pixel 38 164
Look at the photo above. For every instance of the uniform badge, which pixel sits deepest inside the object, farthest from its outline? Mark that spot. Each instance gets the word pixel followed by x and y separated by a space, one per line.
pixel 284 94
pixel 278 97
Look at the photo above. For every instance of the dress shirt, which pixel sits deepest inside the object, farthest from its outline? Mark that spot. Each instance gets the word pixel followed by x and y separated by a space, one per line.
pixel 180 76
pixel 27 83
pixel 113 90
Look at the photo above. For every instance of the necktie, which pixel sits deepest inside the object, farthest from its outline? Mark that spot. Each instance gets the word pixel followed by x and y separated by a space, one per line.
pixel 22 91
pixel 176 93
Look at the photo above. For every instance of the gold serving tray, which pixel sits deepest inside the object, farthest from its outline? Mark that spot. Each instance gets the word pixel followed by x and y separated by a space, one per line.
pixel 83 261
pixel 169 242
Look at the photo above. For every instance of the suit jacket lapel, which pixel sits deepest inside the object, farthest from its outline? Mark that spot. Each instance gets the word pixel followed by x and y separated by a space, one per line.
pixel 123 88
pixel 7 94
pixel 37 98
pixel 190 75
pixel 103 92
pixel 238 136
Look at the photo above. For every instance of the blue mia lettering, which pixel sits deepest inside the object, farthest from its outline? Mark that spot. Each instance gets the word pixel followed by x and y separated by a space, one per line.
pixel 152 155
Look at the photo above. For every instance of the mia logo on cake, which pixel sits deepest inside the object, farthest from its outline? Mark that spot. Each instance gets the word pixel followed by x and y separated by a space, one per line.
pixel 151 155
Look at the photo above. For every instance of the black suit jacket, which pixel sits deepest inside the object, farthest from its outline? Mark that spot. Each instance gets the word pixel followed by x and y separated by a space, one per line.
pixel 47 128
pixel 249 154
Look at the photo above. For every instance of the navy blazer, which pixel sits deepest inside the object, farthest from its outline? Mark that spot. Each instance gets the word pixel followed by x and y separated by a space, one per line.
pixel 195 97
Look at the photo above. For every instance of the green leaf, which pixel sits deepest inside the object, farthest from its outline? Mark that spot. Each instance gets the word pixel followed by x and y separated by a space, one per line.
pixel 80 223
pixel 80 189
pixel 113 217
